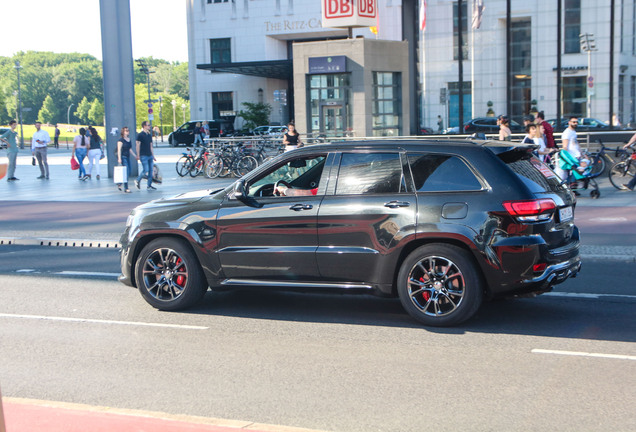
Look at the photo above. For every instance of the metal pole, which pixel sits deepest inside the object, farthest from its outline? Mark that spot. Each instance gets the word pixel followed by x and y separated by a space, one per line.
pixel 160 117
pixel 460 68
pixel 558 62
pixel 17 68
pixel 508 59
pixel 589 74
pixel 611 67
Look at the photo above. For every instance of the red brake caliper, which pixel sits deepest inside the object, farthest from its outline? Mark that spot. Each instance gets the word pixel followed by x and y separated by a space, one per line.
pixel 425 294
pixel 180 278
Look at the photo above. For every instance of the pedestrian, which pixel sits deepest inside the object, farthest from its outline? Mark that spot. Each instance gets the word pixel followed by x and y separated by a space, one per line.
pixel 531 130
pixel 94 154
pixel 10 138
pixel 124 149
pixel 39 145
pixel 56 137
pixel 527 119
pixel 80 149
pixel 632 182
pixel 547 130
pixel 206 130
pixel 440 124
pixel 570 142
pixel 505 134
pixel 146 155
pixel 291 138
pixel 197 133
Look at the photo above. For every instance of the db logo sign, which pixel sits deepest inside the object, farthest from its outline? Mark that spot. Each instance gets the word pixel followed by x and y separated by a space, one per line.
pixel 366 8
pixel 338 8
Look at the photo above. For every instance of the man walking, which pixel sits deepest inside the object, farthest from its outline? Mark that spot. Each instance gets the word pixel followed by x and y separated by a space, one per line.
pixel 547 130
pixel 39 144
pixel 145 155
pixel 9 137
pixel 56 138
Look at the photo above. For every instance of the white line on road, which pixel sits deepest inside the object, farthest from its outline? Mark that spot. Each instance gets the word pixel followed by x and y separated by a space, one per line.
pixel 80 273
pixel 609 219
pixel 587 295
pixel 584 354
pixel 96 321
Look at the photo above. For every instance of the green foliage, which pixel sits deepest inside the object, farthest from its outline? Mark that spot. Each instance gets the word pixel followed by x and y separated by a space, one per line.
pixel 255 114
pixel 76 79
pixel 82 110
pixel 48 112
pixel 163 112
pixel 96 113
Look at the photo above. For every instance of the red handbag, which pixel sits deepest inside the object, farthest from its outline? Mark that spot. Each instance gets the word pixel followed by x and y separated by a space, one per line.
pixel 74 163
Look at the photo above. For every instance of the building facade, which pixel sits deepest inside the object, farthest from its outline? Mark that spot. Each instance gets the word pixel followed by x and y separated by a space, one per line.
pixel 244 51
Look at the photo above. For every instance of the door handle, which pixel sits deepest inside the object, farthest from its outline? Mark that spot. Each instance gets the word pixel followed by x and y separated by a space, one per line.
pixel 298 207
pixel 396 204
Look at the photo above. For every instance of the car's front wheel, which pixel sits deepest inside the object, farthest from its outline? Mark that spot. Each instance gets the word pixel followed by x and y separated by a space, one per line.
pixel 439 285
pixel 169 276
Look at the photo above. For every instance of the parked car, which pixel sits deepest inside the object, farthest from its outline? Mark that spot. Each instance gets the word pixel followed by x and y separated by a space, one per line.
pixel 3 145
pixel 184 135
pixel 489 125
pixel 269 130
pixel 441 225
pixel 586 124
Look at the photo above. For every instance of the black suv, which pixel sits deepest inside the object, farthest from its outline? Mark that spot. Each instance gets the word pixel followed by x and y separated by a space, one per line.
pixel 440 224
pixel 184 135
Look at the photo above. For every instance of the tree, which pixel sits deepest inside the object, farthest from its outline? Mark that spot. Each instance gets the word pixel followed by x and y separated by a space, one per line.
pixel 256 114
pixel 48 112
pixel 96 113
pixel 82 110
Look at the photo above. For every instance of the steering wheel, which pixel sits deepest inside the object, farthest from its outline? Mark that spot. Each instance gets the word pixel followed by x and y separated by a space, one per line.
pixel 279 182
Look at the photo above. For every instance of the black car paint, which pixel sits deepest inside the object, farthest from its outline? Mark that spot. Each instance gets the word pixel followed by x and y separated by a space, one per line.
pixel 238 241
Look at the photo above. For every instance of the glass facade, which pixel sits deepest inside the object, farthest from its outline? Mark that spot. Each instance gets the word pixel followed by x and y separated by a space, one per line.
pixel 222 102
pixel 520 69
pixel 574 96
pixel 328 99
pixel 571 26
pixel 464 31
pixel 220 51
pixel 387 103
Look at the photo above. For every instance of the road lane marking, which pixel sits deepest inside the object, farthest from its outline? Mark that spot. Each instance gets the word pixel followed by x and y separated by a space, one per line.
pixel 587 295
pixel 81 273
pixel 96 321
pixel 584 354
pixel 609 219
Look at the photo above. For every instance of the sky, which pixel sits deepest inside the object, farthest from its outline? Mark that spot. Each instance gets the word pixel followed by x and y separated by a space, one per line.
pixel 63 26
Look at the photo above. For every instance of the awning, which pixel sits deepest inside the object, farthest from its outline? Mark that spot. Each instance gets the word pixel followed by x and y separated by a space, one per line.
pixel 278 69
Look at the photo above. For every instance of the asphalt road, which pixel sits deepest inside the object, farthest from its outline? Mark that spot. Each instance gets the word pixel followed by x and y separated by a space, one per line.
pixel 330 362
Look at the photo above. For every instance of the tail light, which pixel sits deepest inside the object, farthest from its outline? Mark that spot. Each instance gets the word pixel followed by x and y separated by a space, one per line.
pixel 538 210
pixel 466 128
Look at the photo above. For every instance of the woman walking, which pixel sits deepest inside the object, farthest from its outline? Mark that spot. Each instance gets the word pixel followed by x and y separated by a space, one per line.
pixel 291 139
pixel 124 149
pixel 79 151
pixel 94 153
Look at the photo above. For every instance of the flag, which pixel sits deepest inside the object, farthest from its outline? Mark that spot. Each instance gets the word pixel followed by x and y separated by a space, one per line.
pixel 478 10
pixel 422 15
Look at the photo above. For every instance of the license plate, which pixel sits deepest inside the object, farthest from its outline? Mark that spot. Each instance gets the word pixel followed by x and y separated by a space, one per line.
pixel 565 214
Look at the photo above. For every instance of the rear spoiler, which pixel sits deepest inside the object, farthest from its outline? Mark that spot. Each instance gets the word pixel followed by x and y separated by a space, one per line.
pixel 508 152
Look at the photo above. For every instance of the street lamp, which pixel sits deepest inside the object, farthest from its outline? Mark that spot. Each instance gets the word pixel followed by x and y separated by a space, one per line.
pixel 183 107
pixel 68 116
pixel 160 117
pixel 17 68
pixel 588 44
pixel 174 115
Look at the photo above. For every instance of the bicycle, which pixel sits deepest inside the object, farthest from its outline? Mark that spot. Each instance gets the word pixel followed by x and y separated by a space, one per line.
pixel 184 163
pixel 201 159
pixel 622 172
pixel 598 161
pixel 230 160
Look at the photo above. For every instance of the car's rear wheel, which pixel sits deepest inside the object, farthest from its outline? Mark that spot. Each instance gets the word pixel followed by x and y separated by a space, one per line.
pixel 439 285
pixel 168 275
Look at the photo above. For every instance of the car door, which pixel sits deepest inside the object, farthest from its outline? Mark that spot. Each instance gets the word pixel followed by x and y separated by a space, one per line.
pixel 365 218
pixel 274 237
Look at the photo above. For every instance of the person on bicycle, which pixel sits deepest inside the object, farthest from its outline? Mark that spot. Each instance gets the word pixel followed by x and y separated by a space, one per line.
pixel 632 183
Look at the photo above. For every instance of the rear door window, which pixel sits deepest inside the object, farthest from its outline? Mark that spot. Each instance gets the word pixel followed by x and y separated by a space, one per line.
pixel 369 173
pixel 442 173
pixel 536 175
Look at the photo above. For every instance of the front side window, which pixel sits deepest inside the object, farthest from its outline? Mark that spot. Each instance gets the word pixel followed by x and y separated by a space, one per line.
pixel 369 173
pixel 442 173
pixel 220 51
pixel 300 173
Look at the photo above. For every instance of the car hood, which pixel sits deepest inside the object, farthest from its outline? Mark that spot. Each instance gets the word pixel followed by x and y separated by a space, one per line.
pixel 181 199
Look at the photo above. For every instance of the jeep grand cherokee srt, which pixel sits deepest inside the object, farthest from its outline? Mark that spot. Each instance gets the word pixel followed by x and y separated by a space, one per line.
pixel 441 225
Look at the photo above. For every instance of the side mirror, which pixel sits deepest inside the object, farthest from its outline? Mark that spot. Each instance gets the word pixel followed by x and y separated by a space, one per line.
pixel 239 190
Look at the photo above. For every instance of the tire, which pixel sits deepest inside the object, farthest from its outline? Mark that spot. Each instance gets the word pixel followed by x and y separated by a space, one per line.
pixel 439 285
pixel 245 165
pixel 619 174
pixel 595 194
pixel 214 167
pixel 168 275
pixel 183 165
pixel 598 166
pixel 197 167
